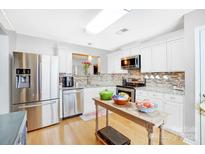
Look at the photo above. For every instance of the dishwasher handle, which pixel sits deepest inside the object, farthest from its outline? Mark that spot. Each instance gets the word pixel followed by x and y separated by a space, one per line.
pixel 72 91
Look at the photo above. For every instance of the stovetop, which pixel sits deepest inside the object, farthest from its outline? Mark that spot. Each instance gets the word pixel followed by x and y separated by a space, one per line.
pixel 131 86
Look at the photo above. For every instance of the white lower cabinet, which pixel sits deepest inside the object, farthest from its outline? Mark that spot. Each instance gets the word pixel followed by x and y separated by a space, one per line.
pixel 174 120
pixel 171 104
pixel 90 93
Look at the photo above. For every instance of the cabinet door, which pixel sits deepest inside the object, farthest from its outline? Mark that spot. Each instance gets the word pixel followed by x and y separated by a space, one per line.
pixel 175 51
pixel 159 58
pixel 118 55
pixel 174 121
pixel 89 94
pixel 65 61
pixel 146 59
pixel 110 66
pixel 134 52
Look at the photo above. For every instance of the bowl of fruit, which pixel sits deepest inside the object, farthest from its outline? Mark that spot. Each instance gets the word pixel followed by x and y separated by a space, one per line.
pixel 146 106
pixel 121 99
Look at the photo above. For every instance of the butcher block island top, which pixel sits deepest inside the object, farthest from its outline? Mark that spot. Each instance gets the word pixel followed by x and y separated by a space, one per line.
pixel 129 111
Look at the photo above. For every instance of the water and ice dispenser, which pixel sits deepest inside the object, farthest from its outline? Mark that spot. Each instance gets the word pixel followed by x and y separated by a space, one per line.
pixel 23 78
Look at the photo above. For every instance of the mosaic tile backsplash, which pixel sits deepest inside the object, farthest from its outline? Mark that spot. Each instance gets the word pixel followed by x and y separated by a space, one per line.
pixel 165 79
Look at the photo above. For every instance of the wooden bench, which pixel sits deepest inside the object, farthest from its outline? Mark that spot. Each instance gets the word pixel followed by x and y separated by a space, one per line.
pixel 111 136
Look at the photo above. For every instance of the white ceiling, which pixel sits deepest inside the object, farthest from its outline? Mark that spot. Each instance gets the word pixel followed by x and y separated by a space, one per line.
pixel 68 25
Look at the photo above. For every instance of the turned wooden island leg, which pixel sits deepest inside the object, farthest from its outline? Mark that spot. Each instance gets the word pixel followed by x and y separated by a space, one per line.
pixel 150 134
pixel 160 135
pixel 107 122
pixel 96 118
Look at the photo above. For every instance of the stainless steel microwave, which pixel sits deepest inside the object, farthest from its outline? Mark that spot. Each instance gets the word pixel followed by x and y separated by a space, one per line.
pixel 133 62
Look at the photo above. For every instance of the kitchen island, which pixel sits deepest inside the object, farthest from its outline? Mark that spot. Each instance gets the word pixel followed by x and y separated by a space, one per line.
pixel 129 111
pixel 13 128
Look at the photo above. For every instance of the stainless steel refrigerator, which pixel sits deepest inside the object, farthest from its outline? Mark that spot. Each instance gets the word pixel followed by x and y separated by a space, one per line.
pixel 35 88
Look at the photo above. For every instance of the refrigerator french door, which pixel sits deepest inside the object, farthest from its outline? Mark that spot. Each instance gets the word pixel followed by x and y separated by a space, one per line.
pixel 202 85
pixel 35 88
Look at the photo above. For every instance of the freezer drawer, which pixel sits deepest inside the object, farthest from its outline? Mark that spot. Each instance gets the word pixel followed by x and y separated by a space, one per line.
pixel 72 102
pixel 40 114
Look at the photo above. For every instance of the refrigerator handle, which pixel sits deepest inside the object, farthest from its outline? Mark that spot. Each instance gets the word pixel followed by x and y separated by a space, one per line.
pixel 40 80
pixel 37 80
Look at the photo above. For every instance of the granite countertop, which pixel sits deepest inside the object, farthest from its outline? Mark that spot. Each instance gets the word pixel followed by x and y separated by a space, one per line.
pixel 162 90
pixel 86 86
pixel 10 125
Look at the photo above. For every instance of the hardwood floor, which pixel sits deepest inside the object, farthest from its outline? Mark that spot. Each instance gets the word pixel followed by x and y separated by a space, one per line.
pixel 77 131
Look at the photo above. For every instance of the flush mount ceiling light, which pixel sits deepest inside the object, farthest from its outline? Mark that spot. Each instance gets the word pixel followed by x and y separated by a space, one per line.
pixel 104 19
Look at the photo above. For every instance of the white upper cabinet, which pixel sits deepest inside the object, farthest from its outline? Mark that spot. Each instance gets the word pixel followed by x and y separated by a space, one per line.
pixel 159 58
pixel 175 51
pixel 110 66
pixel 114 62
pixel 146 59
pixel 159 55
pixel 65 61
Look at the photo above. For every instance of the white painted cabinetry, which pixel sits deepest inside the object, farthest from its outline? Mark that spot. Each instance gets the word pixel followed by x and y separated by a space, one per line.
pixel 65 61
pixel 159 58
pixel 176 55
pixel 90 93
pixel 171 104
pixel 146 59
pixel 114 62
pixel 164 54
pixel 174 107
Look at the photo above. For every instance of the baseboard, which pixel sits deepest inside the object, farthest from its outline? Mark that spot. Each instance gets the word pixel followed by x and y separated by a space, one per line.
pixel 188 141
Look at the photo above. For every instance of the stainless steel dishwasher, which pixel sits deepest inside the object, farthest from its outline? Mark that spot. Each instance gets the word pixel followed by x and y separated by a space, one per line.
pixel 72 102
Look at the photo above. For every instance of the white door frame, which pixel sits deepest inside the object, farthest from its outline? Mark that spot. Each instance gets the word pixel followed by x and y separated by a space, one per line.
pixel 198 84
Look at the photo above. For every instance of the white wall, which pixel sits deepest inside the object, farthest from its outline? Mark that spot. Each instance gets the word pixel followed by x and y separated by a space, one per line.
pixel 31 44
pixel 191 22
pixel 44 46
pixel 4 74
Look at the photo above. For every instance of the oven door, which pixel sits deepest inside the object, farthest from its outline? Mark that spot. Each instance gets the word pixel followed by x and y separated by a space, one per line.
pixel 129 91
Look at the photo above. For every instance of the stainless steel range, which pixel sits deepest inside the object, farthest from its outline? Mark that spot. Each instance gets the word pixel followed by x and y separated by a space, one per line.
pixel 126 89
pixel 129 86
pixel 35 88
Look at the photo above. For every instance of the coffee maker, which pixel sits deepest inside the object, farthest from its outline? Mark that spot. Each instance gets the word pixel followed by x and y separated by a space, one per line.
pixel 67 81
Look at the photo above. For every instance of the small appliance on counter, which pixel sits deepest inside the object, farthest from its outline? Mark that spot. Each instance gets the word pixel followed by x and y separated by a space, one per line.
pixel 67 81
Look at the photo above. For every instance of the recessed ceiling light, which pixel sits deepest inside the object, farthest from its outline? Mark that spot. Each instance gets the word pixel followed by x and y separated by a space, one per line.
pixel 104 19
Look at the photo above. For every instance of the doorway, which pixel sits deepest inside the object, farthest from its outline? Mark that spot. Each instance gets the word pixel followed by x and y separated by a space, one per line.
pixel 200 85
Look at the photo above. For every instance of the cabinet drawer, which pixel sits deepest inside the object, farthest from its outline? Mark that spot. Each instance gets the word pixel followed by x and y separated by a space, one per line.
pixel 155 95
pixel 174 98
